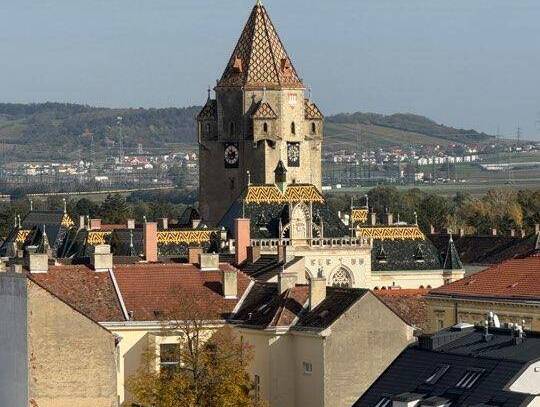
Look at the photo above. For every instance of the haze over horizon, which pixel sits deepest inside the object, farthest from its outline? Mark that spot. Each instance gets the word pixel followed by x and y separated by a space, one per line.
pixel 465 64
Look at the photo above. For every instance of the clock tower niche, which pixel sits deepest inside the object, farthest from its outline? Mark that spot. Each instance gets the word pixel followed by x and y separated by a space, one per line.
pixel 259 116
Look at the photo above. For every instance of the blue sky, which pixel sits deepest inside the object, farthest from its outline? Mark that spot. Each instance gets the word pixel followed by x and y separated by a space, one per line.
pixel 468 63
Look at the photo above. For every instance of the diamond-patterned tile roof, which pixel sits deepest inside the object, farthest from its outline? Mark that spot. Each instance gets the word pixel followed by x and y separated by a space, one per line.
pixel 311 111
pixel 209 111
pixel 264 111
pixel 259 58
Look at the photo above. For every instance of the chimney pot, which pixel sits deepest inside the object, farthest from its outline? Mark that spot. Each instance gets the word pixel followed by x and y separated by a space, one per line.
pixel 389 217
pixel 150 242
pixel 243 239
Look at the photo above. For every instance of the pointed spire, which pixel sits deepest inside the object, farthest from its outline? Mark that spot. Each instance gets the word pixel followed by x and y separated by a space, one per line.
pixel 259 58
pixel 209 93
pixel 452 260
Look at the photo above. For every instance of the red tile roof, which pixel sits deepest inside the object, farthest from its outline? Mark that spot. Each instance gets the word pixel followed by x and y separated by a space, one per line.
pixel 90 293
pixel 513 279
pixel 409 304
pixel 157 291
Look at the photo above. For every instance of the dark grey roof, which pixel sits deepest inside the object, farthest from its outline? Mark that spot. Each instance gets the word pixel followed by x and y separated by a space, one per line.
pixel 188 216
pixel 263 269
pixel 452 260
pixel 397 255
pixel 454 353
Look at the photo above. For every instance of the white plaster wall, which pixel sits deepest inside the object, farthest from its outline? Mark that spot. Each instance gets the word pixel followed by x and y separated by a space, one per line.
pixel 529 381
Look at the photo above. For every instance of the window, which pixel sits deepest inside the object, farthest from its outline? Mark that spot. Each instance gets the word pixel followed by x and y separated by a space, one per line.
pixel 257 387
pixel 308 368
pixel 293 128
pixel 313 128
pixel 292 99
pixel 440 324
pixel 341 278
pixel 384 402
pixel 265 127
pixel 207 128
pixel 169 357
pixel 470 377
pixel 437 374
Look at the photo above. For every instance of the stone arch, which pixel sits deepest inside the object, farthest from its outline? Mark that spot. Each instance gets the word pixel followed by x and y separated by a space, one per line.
pixel 342 277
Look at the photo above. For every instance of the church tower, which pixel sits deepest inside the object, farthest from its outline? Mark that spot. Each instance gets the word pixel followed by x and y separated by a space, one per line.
pixel 259 117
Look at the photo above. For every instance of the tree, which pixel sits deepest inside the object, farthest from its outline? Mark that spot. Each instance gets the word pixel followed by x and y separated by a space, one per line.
pixel 114 209
pixel 207 368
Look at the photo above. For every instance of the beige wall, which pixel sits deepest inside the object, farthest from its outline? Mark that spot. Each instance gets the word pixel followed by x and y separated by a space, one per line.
pixel 363 343
pixel 413 279
pixel 71 358
pixel 445 312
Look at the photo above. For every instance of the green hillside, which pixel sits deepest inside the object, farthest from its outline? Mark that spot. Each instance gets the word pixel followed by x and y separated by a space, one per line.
pixel 58 130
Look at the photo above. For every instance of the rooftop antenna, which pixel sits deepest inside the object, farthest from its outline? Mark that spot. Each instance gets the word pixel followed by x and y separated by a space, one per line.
pixel 19 219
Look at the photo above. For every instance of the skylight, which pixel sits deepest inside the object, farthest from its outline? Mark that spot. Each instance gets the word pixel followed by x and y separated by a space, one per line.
pixel 384 402
pixel 437 374
pixel 470 377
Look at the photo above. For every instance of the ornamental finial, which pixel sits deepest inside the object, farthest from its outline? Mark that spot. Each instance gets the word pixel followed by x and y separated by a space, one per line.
pixel 259 3
pixel 209 91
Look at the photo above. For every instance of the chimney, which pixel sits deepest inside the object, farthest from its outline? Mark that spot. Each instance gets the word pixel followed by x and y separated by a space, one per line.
pixel 317 291
pixel 131 224
pixel 82 222
pixel 373 218
pixel 209 261
pixel 286 280
pixel 242 238
pixel 38 262
pixel 102 258
pixel 150 242
pixel 493 232
pixel 513 232
pixel 164 223
pixel 16 268
pixel 195 223
pixel 431 229
pixel 253 253
pixel 389 218
pixel 523 234
pixel 95 224
pixel 193 254
pixel 282 253
pixel 461 232
pixel 230 283
pixel 537 228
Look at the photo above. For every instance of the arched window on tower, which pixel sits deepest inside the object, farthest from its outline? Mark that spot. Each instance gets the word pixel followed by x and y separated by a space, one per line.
pixel 293 128
pixel 265 127
pixel 231 129
pixel 207 128
pixel 313 128
pixel 342 278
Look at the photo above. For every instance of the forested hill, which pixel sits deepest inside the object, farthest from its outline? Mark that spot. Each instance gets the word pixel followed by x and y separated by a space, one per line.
pixel 31 129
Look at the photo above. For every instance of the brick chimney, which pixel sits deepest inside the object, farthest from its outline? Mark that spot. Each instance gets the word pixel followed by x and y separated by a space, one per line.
pixel 150 242
pixel 242 238
pixel 253 253
pixel 317 291
pixel 286 280
pixel 193 254
pixel 95 224
pixel 102 258
pixel 209 261
pixel 230 283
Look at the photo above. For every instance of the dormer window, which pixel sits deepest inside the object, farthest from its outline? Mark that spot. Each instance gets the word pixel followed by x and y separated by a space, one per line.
pixel 293 128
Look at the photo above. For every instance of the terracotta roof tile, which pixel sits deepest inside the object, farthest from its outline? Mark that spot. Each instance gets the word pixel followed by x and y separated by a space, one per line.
pixel 90 293
pixel 154 291
pixel 409 304
pixel 515 279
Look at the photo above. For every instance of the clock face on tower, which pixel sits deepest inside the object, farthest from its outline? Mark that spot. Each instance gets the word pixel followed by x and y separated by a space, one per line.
pixel 231 155
pixel 293 154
